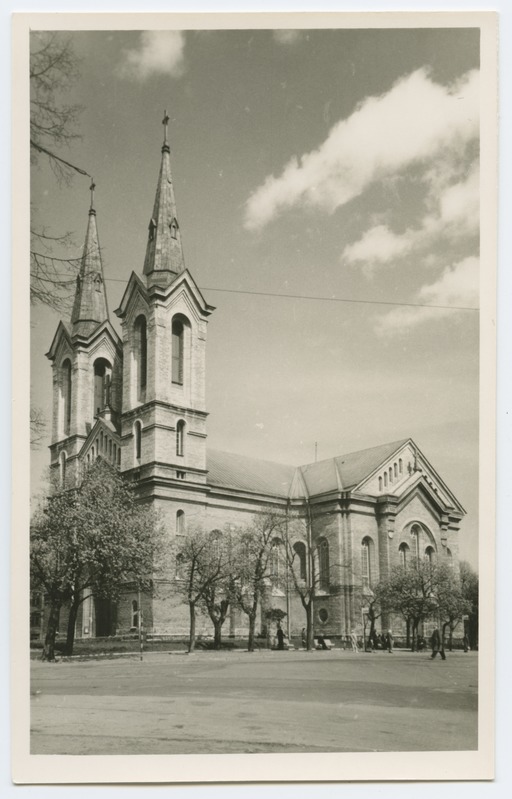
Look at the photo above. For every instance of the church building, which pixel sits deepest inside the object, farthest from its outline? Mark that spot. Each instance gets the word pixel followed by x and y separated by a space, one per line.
pixel 139 402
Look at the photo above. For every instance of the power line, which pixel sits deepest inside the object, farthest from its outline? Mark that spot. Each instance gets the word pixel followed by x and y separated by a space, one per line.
pixel 327 299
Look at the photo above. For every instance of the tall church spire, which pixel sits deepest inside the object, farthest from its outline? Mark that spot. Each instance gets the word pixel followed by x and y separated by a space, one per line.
pixel 90 307
pixel 164 253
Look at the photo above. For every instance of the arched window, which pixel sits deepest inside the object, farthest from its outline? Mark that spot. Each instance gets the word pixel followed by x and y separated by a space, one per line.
pixel 390 474
pixel 323 563
pixel 178 333
pixel 300 551
pixel 65 396
pixel 380 483
pixel 415 534
pixel 102 383
pixel 275 559
pixel 180 522
pixel 62 464
pixel 180 566
pixel 400 465
pixel 367 562
pixel 404 554
pixel 180 438
pixel 135 613
pixel 449 558
pixel 137 432
pixel 215 546
pixel 385 479
pixel 141 356
pixel 119 456
pixel 430 555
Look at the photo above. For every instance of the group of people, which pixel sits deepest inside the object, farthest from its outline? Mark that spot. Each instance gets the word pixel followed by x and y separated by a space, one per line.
pixel 383 641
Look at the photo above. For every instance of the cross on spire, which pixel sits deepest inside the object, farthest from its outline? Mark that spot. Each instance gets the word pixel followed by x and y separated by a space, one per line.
pixel 165 121
pixel 91 189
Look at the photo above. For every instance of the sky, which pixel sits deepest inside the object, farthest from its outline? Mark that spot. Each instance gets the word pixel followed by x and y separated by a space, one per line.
pixel 329 164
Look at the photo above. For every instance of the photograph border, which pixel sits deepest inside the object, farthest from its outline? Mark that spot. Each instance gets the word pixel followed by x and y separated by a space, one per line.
pixel 426 765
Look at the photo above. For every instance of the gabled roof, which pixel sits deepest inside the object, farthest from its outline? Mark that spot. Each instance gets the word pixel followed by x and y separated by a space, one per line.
pixel 136 283
pixel 342 473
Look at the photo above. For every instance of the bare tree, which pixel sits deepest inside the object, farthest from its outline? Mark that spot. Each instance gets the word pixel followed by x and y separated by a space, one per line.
pixel 253 550
pixel 311 570
pixel 201 569
pixel 37 426
pixel 54 68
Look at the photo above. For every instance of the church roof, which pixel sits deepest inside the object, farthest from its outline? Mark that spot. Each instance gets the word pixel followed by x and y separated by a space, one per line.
pixel 241 473
pixel 164 251
pixel 90 307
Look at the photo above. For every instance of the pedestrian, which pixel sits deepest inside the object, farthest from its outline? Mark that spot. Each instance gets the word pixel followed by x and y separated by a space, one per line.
pixel 280 637
pixel 304 638
pixel 437 645
pixel 465 642
pixel 353 641
pixel 389 641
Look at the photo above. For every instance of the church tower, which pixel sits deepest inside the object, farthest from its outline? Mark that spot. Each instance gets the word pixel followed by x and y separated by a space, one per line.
pixel 86 358
pixel 164 319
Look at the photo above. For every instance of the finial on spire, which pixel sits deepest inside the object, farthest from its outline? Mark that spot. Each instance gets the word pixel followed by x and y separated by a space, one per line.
pixel 91 189
pixel 165 121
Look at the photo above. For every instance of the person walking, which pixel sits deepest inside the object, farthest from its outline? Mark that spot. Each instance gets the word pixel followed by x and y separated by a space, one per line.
pixel 389 641
pixel 465 642
pixel 280 637
pixel 437 645
pixel 353 641
pixel 304 638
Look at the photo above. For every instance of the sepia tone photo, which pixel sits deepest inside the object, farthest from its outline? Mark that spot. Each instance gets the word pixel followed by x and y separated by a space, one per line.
pixel 257 315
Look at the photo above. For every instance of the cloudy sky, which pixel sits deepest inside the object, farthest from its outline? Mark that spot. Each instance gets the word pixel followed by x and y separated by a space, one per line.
pixel 330 164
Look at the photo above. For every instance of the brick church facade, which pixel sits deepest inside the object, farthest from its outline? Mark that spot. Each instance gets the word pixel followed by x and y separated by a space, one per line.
pixel 139 402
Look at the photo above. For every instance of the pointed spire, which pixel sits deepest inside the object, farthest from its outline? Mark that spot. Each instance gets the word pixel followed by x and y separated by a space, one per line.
pixel 164 251
pixel 90 307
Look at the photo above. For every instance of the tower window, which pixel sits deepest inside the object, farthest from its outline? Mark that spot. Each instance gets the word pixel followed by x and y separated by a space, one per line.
pixel 62 463
pixel 65 396
pixel 141 356
pixel 177 351
pixel 137 430
pixel 102 378
pixel 180 435
pixel 174 228
pixel 180 522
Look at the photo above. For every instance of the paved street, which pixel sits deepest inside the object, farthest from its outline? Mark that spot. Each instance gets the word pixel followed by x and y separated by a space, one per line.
pixel 260 702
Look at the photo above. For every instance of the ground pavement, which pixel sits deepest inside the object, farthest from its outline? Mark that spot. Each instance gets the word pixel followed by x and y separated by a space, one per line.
pixel 173 703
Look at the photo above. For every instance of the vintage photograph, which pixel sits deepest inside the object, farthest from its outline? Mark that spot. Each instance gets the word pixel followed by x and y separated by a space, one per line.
pixel 255 360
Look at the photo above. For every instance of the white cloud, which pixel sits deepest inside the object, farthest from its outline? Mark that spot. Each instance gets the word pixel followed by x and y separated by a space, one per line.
pixel 411 123
pixel 286 35
pixel 455 213
pixel 457 286
pixel 158 53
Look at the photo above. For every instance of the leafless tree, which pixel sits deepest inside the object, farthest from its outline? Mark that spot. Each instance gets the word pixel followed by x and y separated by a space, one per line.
pixel 54 68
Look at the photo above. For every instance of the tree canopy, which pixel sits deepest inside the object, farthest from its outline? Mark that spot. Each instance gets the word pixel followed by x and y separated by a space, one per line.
pixel 93 538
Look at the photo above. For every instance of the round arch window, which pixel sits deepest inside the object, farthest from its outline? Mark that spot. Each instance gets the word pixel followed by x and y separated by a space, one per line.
pixel 323 615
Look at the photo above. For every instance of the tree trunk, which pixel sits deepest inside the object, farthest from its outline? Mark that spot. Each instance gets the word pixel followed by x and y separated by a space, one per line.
pixel 443 635
pixel 51 631
pixel 309 627
pixel 414 642
pixel 70 636
pixel 450 639
pixel 192 632
pixel 217 633
pixel 252 626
